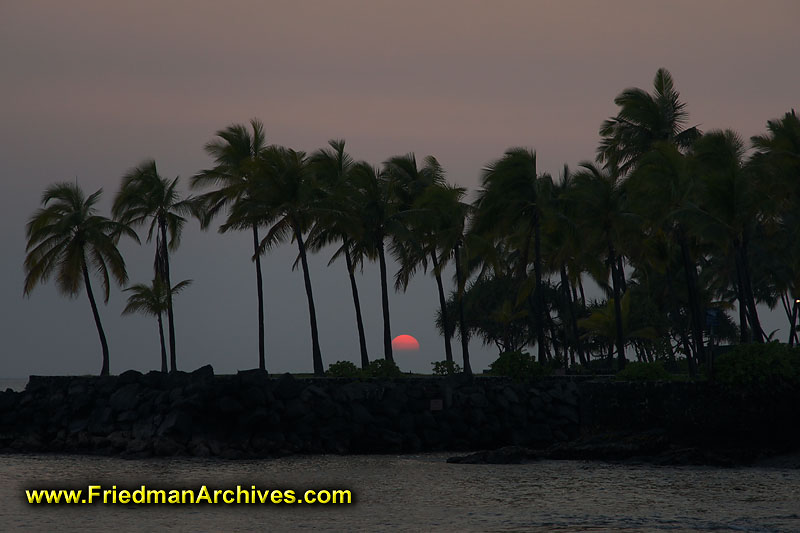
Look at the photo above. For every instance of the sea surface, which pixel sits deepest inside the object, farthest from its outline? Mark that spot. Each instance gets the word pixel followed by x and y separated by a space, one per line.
pixel 409 493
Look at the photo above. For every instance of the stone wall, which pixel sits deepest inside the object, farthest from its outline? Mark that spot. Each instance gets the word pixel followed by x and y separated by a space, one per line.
pixel 253 415
pixel 764 419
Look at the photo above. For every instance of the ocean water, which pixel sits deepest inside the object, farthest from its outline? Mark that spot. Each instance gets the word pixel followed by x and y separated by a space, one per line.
pixel 410 493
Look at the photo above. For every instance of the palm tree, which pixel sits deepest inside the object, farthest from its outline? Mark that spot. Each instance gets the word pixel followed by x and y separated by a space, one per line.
pixel 510 205
pixel 418 190
pixel 565 250
pixel 778 159
pixel 663 190
pixel 152 300
pixel 144 195
pixel 338 220
pixel 65 236
pixel 730 206
pixel 377 220
pixel 443 236
pixel 408 180
pixel 288 197
pixel 604 217
pixel 643 120
pixel 235 153
pixel 779 149
pixel 603 322
pixel 411 245
pixel 489 314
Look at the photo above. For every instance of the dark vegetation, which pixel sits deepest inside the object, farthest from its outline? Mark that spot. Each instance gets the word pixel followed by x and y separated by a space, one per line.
pixel 686 233
pixel 379 368
pixel 762 366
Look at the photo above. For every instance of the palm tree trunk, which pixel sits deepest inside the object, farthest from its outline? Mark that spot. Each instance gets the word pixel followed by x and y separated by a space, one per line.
pixel 681 329
pixel 572 318
pixel 559 352
pixel 569 351
pixel 587 356
pixel 743 337
pixel 621 273
pixel 103 342
pixel 165 275
pixel 740 297
pixel 694 297
pixel 533 300
pixel 744 292
pixel 748 290
pixel 612 259
pixel 161 340
pixel 792 329
pixel 319 369
pixel 387 334
pixel 539 295
pixel 461 323
pixel 362 340
pixel 262 362
pixel 448 349
pixel 788 308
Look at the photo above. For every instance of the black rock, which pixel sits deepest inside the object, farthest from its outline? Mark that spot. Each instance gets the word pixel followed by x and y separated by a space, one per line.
pixel 203 373
pixel 508 455
pixel 129 376
pixel 255 377
pixel 176 425
pixel 126 398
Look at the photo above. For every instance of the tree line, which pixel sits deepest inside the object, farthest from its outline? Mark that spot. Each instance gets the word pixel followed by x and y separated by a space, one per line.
pixel 686 233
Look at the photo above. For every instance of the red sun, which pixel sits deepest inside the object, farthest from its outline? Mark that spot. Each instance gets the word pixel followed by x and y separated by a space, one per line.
pixel 405 343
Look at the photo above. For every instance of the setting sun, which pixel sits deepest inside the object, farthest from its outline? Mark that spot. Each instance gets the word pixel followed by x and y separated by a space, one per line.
pixel 405 343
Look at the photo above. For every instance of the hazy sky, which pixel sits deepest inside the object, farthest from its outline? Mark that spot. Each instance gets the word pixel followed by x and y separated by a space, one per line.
pixel 90 88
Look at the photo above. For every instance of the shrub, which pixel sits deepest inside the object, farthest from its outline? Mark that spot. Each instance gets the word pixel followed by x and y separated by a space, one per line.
pixel 381 368
pixel 343 369
pixel 637 371
pixel 518 366
pixel 759 365
pixel 445 368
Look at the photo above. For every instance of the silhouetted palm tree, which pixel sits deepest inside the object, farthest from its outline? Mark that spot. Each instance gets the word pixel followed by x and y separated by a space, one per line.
pixel 67 235
pixel 377 220
pixel 145 195
pixel 510 205
pixel 407 182
pixel 565 250
pixel 236 176
pixel 778 158
pixel 337 220
pixel 605 219
pixel 603 322
pixel 446 239
pixel 288 198
pixel 152 300
pixel 730 205
pixel 417 190
pixel 643 120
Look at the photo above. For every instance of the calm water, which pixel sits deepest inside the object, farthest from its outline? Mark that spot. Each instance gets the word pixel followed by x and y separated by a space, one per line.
pixel 413 493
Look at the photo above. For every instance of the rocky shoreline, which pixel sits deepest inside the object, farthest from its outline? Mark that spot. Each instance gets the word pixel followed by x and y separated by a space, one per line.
pixel 251 415
pixel 648 447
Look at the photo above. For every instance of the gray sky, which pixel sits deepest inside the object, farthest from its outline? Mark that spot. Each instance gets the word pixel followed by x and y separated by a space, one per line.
pixel 90 88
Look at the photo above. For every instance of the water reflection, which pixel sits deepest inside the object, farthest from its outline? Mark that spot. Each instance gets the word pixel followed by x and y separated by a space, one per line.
pixel 412 493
